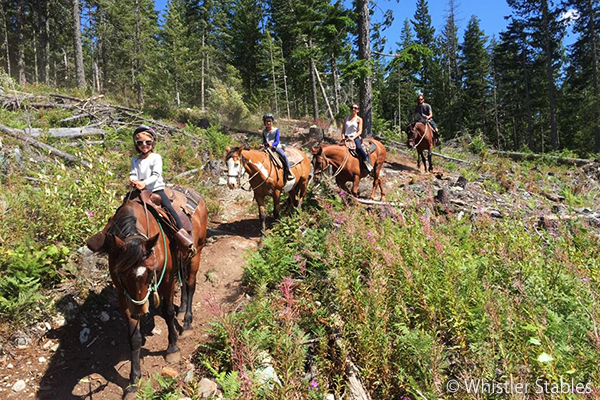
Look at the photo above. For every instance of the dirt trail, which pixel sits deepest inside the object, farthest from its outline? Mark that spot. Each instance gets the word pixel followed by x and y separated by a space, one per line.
pixel 87 357
pixel 91 360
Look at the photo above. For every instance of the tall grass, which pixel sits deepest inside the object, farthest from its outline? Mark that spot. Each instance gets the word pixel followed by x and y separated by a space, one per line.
pixel 415 300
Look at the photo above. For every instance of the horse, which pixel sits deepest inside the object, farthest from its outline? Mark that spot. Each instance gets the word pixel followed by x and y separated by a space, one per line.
pixel 266 178
pixel 348 168
pixel 143 264
pixel 420 137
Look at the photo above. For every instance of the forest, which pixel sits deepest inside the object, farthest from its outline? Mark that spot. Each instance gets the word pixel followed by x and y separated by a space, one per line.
pixel 522 91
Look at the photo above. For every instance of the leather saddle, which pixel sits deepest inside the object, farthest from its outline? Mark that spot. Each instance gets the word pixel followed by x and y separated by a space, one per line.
pixel 368 146
pixel 178 200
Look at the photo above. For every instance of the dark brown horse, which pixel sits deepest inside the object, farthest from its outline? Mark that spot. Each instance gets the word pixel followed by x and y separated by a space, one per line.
pixel 266 178
pixel 143 265
pixel 348 168
pixel 420 137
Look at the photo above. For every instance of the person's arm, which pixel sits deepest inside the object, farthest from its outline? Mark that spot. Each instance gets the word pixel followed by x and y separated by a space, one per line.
pixel 155 170
pixel 276 142
pixel 359 128
pixel 264 138
pixel 133 171
pixel 430 115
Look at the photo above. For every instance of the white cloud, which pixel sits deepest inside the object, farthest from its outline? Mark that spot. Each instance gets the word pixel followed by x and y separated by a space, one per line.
pixel 570 15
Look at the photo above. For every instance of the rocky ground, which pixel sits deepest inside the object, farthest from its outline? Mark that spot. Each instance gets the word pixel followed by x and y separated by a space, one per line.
pixel 83 353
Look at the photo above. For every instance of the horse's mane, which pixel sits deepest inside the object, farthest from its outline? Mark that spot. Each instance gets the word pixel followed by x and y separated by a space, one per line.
pixel 230 152
pixel 124 226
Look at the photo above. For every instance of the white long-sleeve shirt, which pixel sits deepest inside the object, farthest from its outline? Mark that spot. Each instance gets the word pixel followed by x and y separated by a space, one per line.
pixel 149 170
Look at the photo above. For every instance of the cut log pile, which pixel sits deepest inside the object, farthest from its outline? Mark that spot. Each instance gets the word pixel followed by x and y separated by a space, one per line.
pixel 98 115
pixel 94 109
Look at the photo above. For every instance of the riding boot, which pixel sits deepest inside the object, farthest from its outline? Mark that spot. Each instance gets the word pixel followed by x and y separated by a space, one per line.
pixel 436 137
pixel 185 242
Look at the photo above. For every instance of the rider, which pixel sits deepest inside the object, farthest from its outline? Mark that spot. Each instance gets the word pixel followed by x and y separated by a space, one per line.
pixel 352 129
pixel 146 173
pixel 423 113
pixel 270 137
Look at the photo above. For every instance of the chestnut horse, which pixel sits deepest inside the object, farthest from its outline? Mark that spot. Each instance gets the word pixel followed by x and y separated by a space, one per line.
pixel 420 137
pixel 266 178
pixel 143 264
pixel 348 168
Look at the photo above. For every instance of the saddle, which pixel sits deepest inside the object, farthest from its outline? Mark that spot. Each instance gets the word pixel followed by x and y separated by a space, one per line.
pixel 184 204
pixel 178 200
pixel 368 146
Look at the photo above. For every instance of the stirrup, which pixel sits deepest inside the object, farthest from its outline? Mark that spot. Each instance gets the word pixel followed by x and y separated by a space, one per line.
pixel 368 165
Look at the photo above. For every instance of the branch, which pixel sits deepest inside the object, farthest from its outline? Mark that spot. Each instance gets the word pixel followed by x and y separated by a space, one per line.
pixel 19 134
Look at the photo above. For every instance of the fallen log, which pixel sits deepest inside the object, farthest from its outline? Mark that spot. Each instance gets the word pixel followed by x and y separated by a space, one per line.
pixel 20 135
pixel 65 132
pixel 530 156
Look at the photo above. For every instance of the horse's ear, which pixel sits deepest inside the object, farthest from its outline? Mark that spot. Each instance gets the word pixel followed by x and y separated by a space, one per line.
pixel 96 242
pixel 114 242
pixel 227 149
pixel 150 243
pixel 315 150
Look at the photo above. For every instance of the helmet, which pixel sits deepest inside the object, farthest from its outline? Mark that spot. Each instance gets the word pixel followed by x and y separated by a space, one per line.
pixel 145 129
pixel 268 116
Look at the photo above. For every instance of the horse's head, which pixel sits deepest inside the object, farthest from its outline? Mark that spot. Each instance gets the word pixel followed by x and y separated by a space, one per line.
pixel 133 260
pixel 319 161
pixel 235 167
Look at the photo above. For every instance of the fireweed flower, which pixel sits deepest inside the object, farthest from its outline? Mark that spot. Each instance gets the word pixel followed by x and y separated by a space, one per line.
pixel 313 385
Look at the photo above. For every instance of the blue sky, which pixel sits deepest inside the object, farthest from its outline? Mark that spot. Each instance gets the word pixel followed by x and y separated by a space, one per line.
pixel 490 13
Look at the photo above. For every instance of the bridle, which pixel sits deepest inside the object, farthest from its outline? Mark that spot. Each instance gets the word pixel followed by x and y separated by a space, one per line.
pixel 154 284
pixel 237 175
pixel 328 162
pixel 414 130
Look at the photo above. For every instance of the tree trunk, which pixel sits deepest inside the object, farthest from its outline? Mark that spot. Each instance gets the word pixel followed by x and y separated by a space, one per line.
pixel 550 75
pixel 594 39
pixel 20 44
pixel 364 53
pixel 336 83
pixel 313 83
pixel 6 41
pixel 35 60
pixel 202 74
pixel 287 100
pixel 138 55
pixel 273 75
pixel 77 44
pixel 324 94
pixel 66 62
pixel 46 36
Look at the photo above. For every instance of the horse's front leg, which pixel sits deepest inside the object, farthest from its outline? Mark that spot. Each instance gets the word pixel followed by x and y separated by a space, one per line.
pixel 260 200
pixel 190 285
pixel 276 196
pixel 419 160
pixel 429 159
pixel 135 344
pixel 168 313
pixel 355 185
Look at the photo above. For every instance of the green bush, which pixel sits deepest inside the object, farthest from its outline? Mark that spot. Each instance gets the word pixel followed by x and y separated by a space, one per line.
pixel 23 272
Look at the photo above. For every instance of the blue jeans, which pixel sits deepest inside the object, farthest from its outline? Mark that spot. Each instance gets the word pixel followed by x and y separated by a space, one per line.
pixel 360 150
pixel 166 203
pixel 280 151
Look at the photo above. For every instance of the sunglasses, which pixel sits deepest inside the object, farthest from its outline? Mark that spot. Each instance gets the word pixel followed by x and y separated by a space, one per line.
pixel 144 142
pixel 355 108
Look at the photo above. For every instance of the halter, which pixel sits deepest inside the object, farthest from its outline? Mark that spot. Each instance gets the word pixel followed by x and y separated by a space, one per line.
pixel 342 165
pixel 153 287
pixel 422 137
pixel 238 176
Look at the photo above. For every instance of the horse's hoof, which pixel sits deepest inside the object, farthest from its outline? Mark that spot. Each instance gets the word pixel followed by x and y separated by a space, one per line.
pixel 186 333
pixel 130 393
pixel 173 357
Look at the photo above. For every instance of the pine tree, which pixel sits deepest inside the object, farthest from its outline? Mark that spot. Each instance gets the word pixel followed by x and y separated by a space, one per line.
pixel 449 97
pixel 475 73
pixel 425 36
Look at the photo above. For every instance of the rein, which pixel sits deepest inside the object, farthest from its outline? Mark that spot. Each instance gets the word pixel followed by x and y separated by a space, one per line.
pixel 422 137
pixel 153 285
pixel 342 165
pixel 244 163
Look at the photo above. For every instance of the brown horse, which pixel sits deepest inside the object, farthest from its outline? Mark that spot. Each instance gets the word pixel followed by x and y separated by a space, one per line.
pixel 348 168
pixel 143 264
pixel 266 178
pixel 420 137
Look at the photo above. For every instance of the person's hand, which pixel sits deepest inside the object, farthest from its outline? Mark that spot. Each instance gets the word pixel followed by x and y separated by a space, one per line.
pixel 139 185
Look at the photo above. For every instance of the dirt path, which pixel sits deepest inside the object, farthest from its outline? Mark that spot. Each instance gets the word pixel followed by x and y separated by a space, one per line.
pixel 88 356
